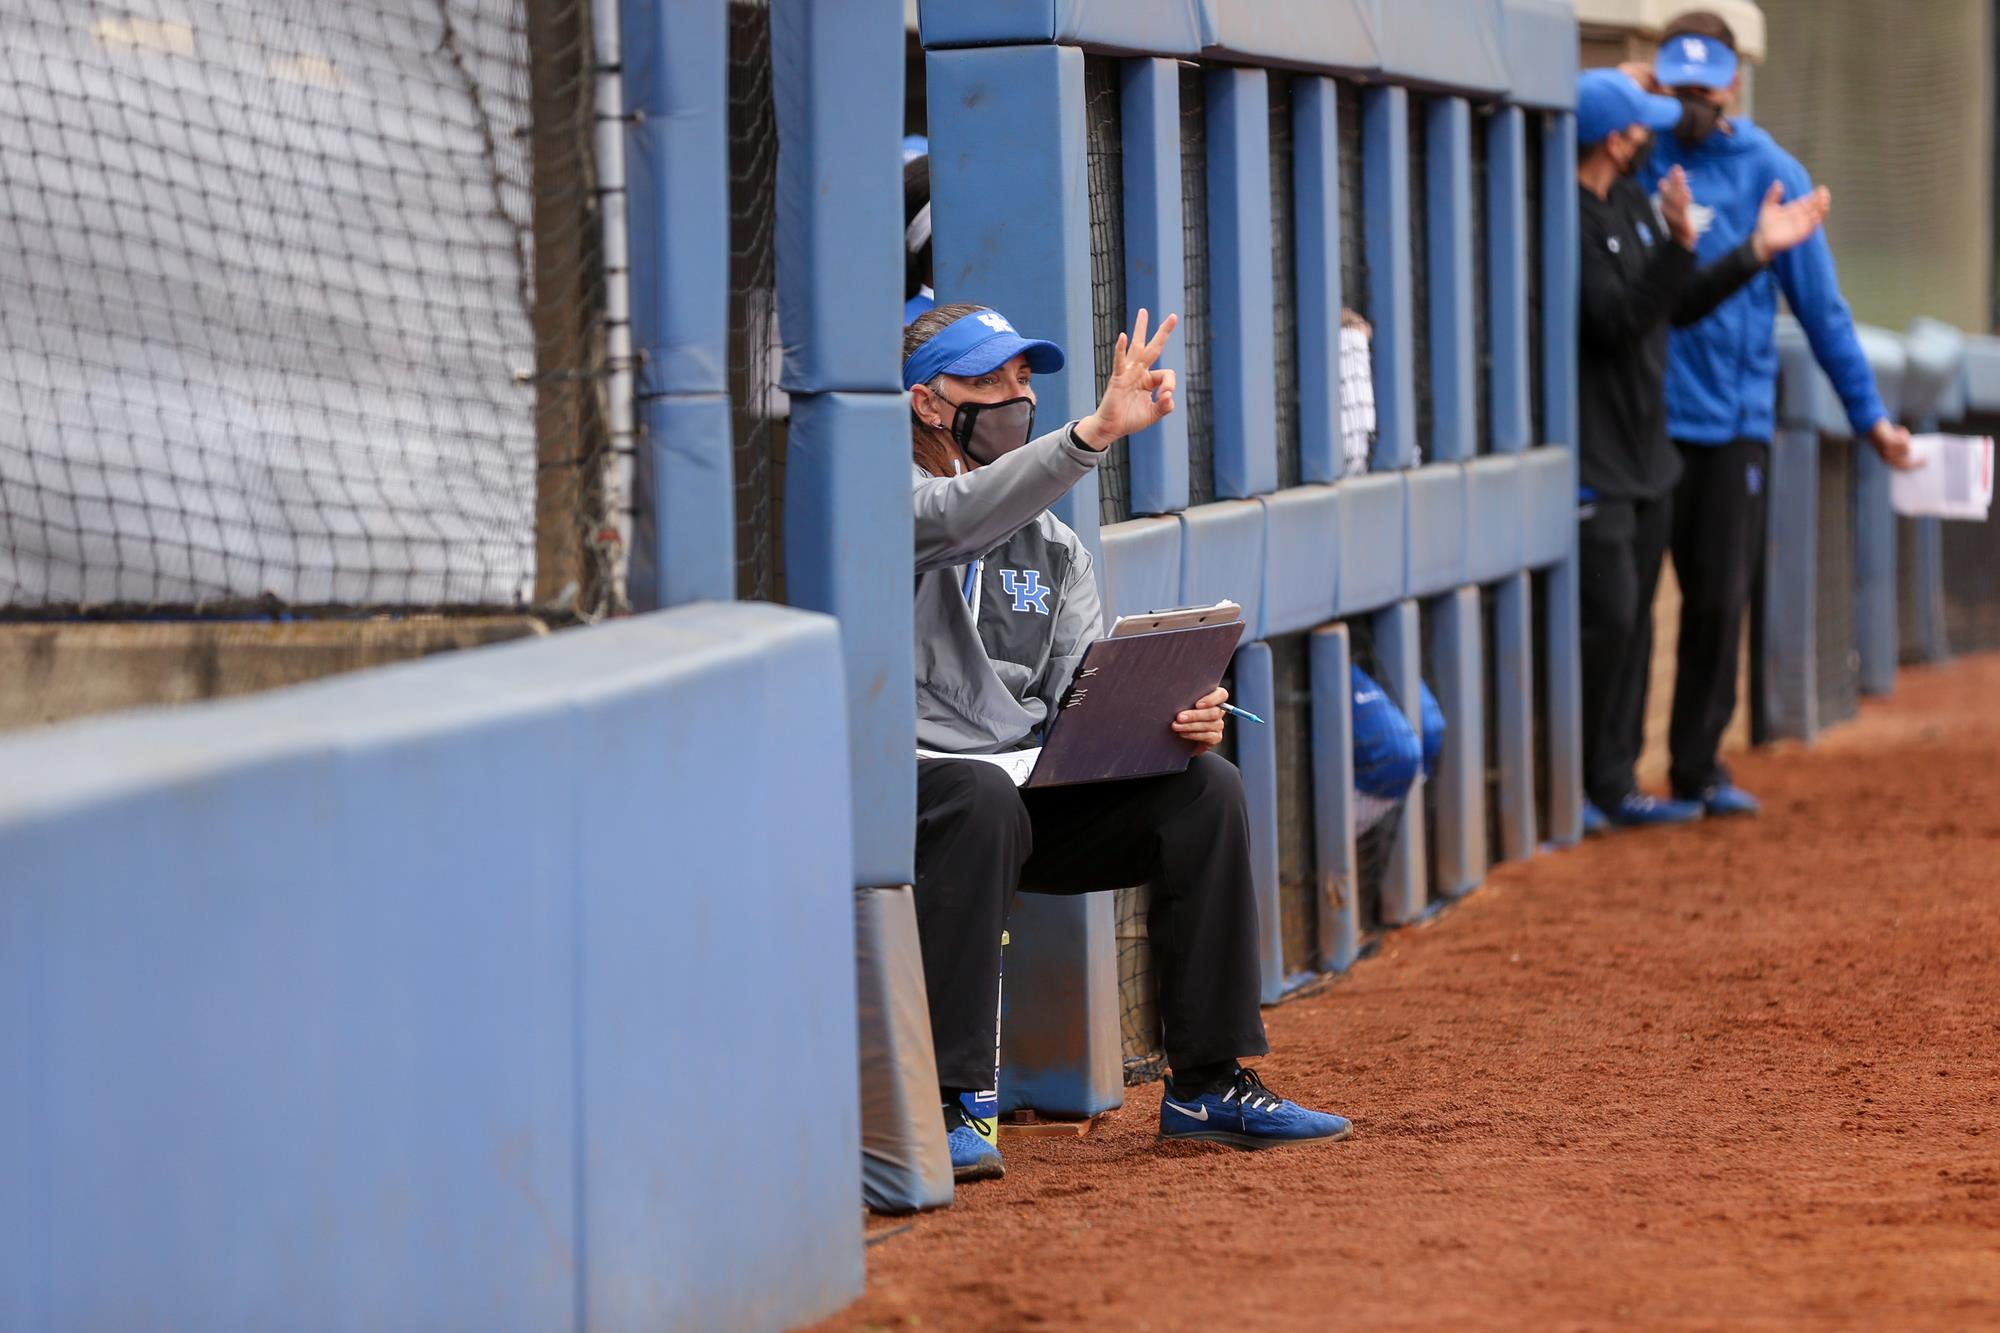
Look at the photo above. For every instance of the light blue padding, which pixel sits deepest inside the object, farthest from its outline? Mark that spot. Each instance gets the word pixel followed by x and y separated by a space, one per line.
pixel 1398 646
pixel 1492 517
pixel 1982 375
pixel 1242 346
pixel 677 194
pixel 1316 270
pixel 684 527
pixel 1301 559
pixel 1257 758
pixel 1448 223
pixel 1435 535
pixel 1222 555
pixel 1150 109
pixel 1061 1049
pixel 1548 506
pixel 1877 634
pixel 1560 258
pixel 1141 27
pixel 1506 241
pixel 1451 44
pixel 369 1003
pixel 1385 169
pixel 847 552
pixel 1513 670
pixel 1011 229
pixel 1333 801
pixel 1322 34
pixel 837 87
pixel 1372 514
pixel 1460 776
pixel 1141 567
pixel 1540 44
pixel 1934 372
pixel 1791 556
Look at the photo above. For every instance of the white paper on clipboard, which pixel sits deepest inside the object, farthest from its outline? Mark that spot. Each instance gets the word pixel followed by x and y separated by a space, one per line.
pixel 1953 479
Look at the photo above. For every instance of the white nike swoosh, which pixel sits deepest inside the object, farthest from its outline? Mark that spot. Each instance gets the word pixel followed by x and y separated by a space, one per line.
pixel 1202 1114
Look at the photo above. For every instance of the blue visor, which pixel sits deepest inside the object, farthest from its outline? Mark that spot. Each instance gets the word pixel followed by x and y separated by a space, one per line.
pixel 1694 61
pixel 1607 101
pixel 974 344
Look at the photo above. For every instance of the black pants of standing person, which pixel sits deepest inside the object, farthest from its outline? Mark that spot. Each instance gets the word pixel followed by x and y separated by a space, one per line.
pixel 1718 545
pixel 1620 547
pixel 979 838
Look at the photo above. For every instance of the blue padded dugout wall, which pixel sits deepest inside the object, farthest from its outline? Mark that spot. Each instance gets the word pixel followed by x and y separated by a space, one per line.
pixel 366 1002
pixel 1012 231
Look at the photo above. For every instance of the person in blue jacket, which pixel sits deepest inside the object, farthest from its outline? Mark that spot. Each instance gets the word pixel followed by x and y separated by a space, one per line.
pixel 1722 385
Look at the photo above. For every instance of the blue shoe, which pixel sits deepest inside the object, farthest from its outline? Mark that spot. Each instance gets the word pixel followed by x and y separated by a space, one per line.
pixel 1595 821
pixel 1726 798
pixel 969 1132
pixel 1243 1113
pixel 1639 810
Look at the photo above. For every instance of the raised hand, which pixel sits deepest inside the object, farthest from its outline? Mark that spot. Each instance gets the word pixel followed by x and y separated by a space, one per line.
pixel 1676 202
pixel 1136 395
pixel 1780 225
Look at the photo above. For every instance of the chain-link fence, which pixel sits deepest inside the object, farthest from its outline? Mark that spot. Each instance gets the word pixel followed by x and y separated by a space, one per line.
pixel 1482 295
pixel 1197 397
pixel 304 306
pixel 1284 285
pixel 1104 127
pixel 1353 201
pixel 758 408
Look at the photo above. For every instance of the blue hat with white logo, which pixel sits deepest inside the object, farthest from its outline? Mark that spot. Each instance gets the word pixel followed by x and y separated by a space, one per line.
pixel 974 344
pixel 1691 60
pixel 1607 100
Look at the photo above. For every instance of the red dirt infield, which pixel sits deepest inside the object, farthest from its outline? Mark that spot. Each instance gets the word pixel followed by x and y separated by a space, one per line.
pixel 1744 1074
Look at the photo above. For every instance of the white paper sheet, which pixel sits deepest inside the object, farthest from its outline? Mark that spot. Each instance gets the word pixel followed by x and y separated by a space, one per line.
pixel 1954 479
pixel 1017 764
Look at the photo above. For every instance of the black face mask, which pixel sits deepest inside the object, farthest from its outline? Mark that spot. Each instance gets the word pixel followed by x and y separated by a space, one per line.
pixel 987 430
pixel 1699 118
pixel 1637 163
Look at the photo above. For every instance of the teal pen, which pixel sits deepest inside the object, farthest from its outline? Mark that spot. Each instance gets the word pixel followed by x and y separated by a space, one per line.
pixel 1247 717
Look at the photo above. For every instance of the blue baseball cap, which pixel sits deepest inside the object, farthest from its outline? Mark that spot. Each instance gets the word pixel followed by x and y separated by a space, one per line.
pixel 1694 61
pixel 1608 100
pixel 974 344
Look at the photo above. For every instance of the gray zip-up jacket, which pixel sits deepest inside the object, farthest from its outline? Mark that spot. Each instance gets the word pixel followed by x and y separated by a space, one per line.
pixel 1006 597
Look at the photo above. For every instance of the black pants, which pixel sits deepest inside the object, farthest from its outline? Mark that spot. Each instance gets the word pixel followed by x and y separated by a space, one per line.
pixel 1718 546
pixel 979 838
pixel 1620 548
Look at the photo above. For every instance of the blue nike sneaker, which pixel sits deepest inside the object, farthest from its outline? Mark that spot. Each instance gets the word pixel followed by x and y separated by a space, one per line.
pixel 1595 821
pixel 970 1122
pixel 1243 1113
pixel 1639 810
pixel 1726 798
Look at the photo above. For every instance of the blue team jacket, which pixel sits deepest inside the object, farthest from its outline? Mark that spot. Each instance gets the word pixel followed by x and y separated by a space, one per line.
pixel 1722 373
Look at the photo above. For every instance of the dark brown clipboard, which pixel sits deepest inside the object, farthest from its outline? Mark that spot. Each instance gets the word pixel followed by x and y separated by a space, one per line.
pixel 1116 721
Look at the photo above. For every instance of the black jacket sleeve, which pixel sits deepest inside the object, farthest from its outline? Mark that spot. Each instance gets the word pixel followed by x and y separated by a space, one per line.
pixel 1712 284
pixel 1618 308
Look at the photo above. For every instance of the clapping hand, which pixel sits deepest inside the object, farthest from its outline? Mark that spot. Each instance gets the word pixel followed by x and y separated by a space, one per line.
pixel 1136 395
pixel 1676 205
pixel 1780 225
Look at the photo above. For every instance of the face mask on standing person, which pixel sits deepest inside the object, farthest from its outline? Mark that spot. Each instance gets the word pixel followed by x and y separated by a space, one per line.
pixel 1700 71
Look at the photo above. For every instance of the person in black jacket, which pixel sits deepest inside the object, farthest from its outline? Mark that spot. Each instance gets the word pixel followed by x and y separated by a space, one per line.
pixel 1638 276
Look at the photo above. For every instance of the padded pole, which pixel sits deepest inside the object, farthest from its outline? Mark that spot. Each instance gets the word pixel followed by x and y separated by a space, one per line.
pixel 1876 631
pixel 1385 169
pixel 1316 269
pixel 1514 696
pixel 1461 774
pixel 1257 757
pixel 677 207
pixel 1243 348
pixel 1454 375
pixel 1790 672
pixel 1398 643
pixel 1933 640
pixel 1506 241
pixel 1150 110
pixel 1333 798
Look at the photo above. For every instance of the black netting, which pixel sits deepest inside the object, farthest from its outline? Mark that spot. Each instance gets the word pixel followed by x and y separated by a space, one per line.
pixel 1970 557
pixel 1378 828
pixel 1489 656
pixel 1353 198
pixel 1298 862
pixel 756 407
pixel 1284 285
pixel 1482 298
pixel 1198 393
pixel 303 306
pixel 1538 418
pixel 1909 633
pixel 1420 276
pixel 1105 169
pixel 1835 647
pixel 1539 637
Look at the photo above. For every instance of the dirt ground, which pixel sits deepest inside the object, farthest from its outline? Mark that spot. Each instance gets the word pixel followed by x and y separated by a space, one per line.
pixel 1741 1075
